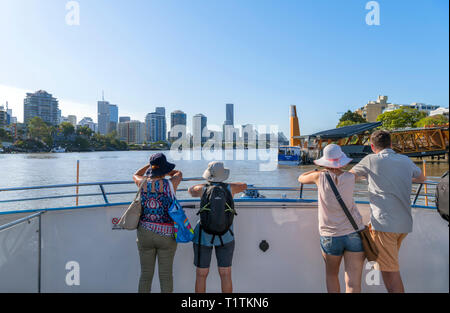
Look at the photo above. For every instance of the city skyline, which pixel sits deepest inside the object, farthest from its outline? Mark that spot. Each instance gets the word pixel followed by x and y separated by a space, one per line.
pixel 320 56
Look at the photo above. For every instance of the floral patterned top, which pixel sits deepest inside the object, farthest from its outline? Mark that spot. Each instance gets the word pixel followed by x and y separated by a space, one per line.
pixel 156 203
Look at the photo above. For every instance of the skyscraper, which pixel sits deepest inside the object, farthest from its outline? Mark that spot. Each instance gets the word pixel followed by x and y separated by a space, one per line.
pixel 230 114
pixel 72 119
pixel 107 117
pixel 162 111
pixel 41 104
pixel 177 118
pixel 132 132
pixel 155 129
pixel 229 121
pixel 199 123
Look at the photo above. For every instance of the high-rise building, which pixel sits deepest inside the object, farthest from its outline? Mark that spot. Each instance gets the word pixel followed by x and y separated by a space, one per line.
pixel 3 117
pixel 40 104
pixel 72 119
pixel 107 117
pixel 199 124
pixel 123 119
pixel 132 132
pixel 162 111
pixel 229 114
pixel 155 127
pixel 229 121
pixel 177 118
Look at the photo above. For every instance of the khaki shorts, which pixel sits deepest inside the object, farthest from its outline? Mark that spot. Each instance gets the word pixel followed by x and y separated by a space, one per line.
pixel 388 245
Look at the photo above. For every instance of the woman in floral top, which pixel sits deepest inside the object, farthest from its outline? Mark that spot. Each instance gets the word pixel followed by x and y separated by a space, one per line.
pixel 155 233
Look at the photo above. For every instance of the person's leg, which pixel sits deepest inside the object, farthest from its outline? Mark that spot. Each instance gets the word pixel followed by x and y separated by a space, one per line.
pixel 224 255
pixel 332 251
pixel 354 257
pixel 201 275
pixel 225 279
pixel 388 245
pixel 332 264
pixel 202 266
pixel 166 249
pixel 354 263
pixel 393 282
pixel 147 256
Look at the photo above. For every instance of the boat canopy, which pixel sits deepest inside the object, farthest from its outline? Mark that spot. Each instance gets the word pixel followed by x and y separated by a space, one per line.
pixel 343 132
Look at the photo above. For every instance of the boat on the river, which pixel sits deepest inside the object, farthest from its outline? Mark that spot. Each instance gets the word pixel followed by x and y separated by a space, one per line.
pixel 277 244
pixel 58 150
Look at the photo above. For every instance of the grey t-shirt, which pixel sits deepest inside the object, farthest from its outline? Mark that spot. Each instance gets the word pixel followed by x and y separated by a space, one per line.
pixel 390 182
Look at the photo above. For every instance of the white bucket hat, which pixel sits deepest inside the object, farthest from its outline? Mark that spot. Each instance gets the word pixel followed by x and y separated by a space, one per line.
pixel 333 157
pixel 216 172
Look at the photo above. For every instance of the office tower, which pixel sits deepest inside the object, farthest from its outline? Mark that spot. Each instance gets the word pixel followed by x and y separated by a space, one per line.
pixel 40 104
pixel 124 119
pixel 229 114
pixel 155 129
pixel 3 117
pixel 72 119
pixel 133 132
pixel 107 117
pixel 199 124
pixel 229 122
pixel 162 111
pixel 177 118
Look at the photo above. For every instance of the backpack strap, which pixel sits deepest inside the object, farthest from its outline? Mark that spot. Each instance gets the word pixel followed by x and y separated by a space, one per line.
pixel 212 239
pixel 199 242
pixel 221 241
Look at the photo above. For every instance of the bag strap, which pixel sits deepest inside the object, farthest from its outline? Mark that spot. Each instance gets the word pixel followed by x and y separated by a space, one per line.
pixel 143 184
pixel 172 190
pixel 341 202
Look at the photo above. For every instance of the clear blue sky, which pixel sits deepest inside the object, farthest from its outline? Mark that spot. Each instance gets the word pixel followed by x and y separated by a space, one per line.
pixel 198 55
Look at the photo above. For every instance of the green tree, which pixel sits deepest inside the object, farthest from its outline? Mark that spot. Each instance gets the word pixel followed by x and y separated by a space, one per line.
pixel 432 120
pixel 67 128
pixel 39 130
pixel 84 130
pixel 401 118
pixel 350 118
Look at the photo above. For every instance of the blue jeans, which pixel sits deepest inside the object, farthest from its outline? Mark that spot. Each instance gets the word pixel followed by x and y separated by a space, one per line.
pixel 337 245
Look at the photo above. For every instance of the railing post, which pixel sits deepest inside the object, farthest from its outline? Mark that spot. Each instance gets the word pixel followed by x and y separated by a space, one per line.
pixel 301 190
pixel 417 194
pixel 39 252
pixel 104 194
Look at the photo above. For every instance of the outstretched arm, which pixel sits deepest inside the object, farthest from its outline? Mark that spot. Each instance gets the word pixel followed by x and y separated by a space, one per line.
pixel 196 191
pixel 237 187
pixel 311 177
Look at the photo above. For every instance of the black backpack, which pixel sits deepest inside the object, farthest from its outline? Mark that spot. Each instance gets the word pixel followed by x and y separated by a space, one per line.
pixel 442 196
pixel 216 210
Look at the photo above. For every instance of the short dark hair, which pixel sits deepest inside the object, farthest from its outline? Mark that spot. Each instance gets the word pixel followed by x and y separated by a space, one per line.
pixel 381 139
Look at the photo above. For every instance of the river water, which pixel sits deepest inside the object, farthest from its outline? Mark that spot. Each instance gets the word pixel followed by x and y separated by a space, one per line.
pixel 24 170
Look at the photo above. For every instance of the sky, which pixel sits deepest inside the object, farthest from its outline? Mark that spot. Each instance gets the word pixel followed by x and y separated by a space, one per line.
pixel 198 55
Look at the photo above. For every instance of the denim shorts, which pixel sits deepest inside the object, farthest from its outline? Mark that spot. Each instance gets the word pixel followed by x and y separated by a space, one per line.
pixel 337 245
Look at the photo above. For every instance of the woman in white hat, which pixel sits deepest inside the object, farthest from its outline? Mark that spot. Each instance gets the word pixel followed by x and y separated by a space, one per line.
pixel 338 237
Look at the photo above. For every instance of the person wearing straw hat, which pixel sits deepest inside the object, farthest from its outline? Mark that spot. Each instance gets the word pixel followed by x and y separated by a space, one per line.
pixel 338 238
pixel 155 232
pixel 204 243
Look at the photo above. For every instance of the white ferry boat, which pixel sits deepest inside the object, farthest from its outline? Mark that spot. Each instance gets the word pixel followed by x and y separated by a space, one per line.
pixel 58 150
pixel 277 246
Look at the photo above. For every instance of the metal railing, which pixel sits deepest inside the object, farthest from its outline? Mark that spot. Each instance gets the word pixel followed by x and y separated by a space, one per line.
pixel 300 189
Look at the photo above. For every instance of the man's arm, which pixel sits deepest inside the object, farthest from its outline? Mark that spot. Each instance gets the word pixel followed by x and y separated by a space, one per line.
pixel 196 191
pixel 237 188
pixel 420 179
pixel 361 170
